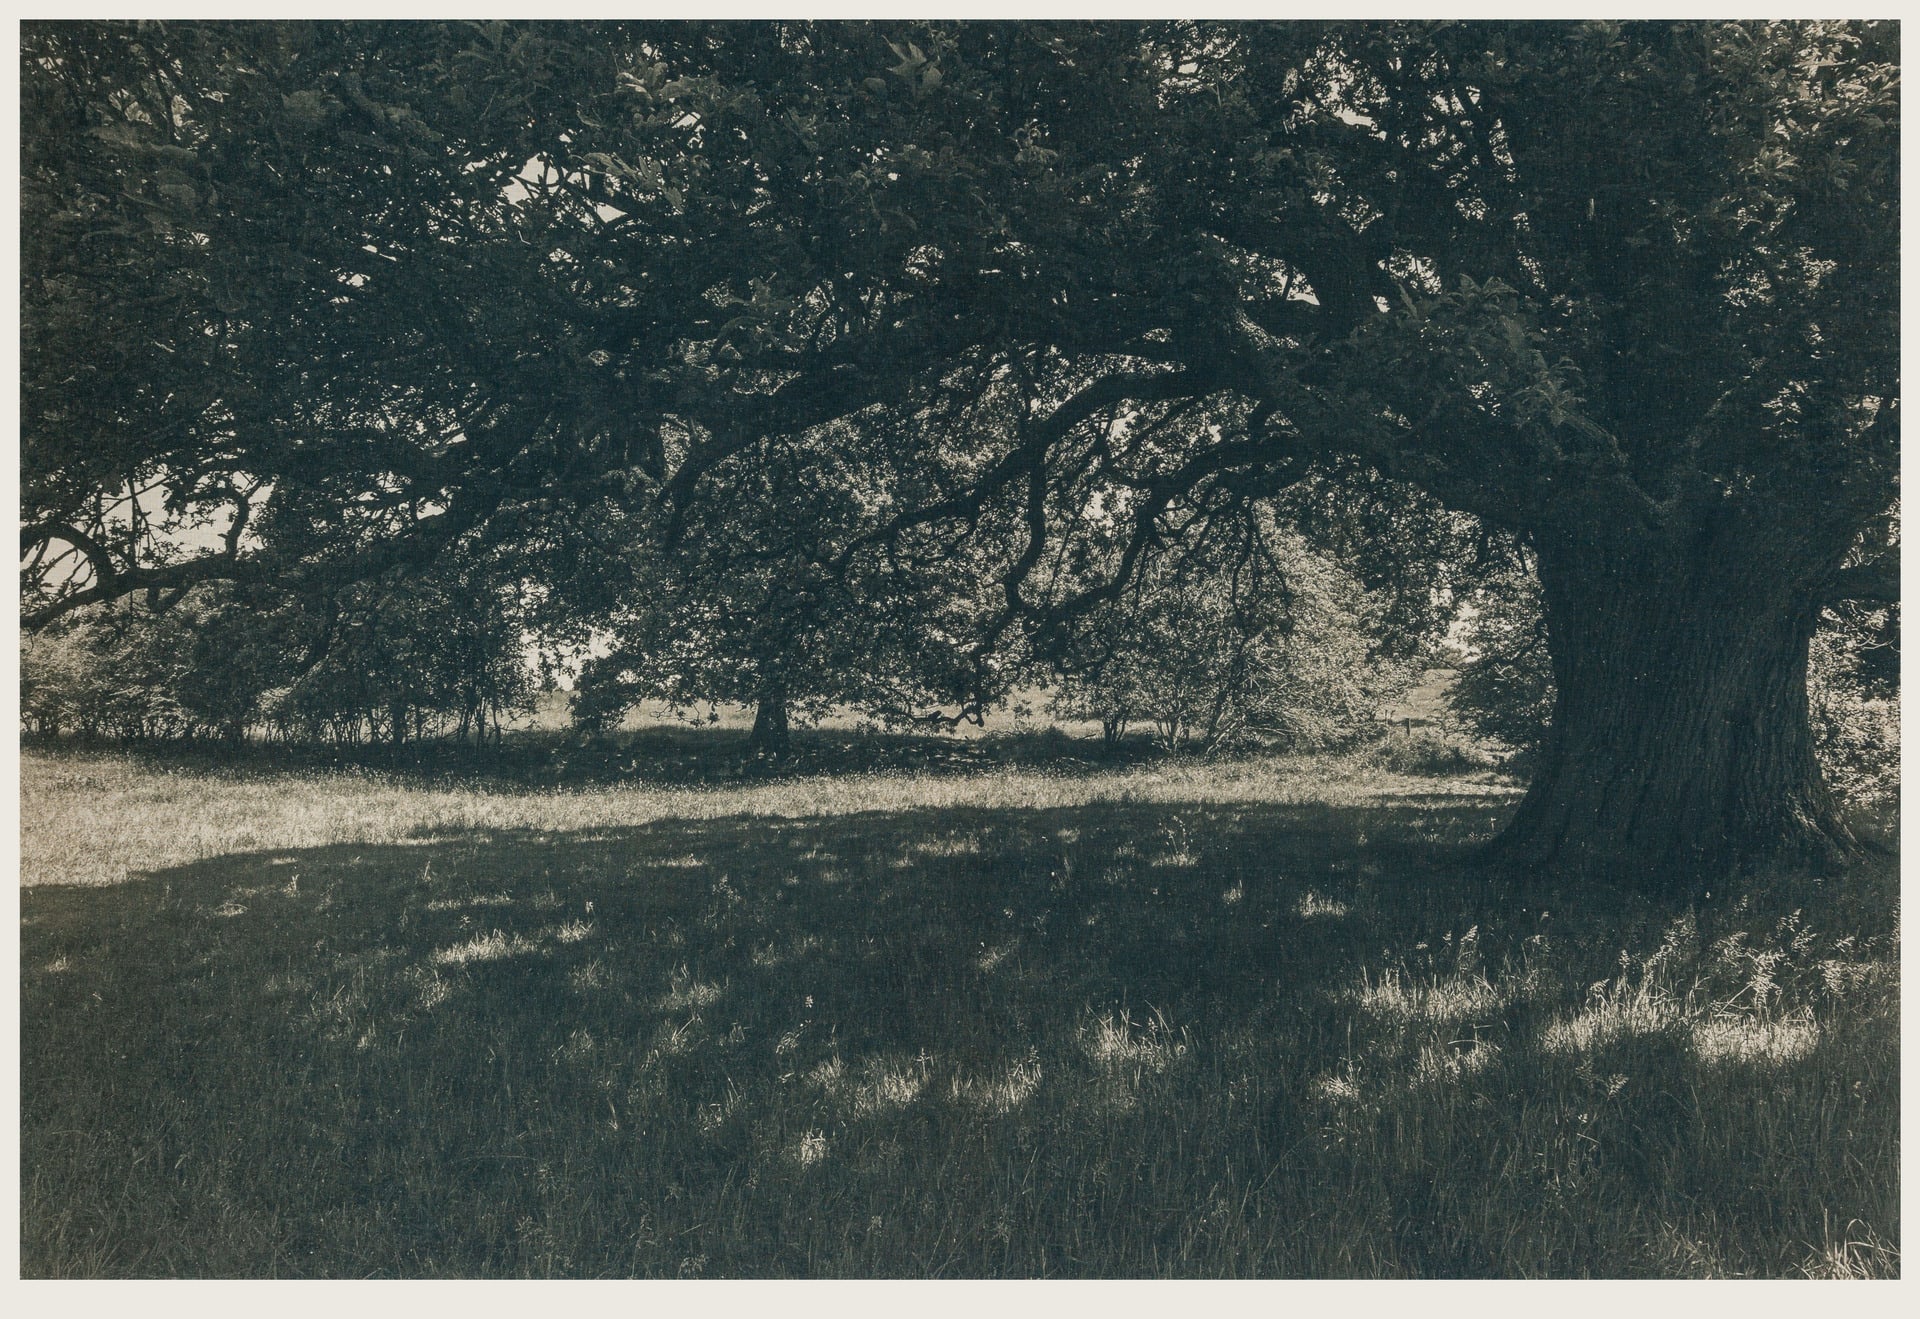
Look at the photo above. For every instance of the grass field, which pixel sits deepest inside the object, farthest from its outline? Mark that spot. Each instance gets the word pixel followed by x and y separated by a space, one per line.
pixel 981 1015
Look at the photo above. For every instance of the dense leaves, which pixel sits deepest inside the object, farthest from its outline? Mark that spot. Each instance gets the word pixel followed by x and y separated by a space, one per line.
pixel 767 590
pixel 1247 637
pixel 438 653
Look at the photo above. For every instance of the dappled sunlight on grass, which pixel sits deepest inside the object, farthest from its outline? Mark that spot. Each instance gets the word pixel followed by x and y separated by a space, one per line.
pixel 810 1149
pixel 1454 1060
pixel 1000 1092
pixel 1756 1041
pixel 1312 906
pixel 1607 1022
pixel 992 957
pixel 1453 999
pixel 952 1037
pixel 472 900
pixel 772 954
pixel 166 818
pixel 1336 1089
pixel 1853 1251
pixel 1128 1054
pixel 887 1086
pixel 1116 1043
pixel 963 846
pixel 488 947
pixel 1462 992
pixel 690 993
pixel 882 1084
pixel 1729 1003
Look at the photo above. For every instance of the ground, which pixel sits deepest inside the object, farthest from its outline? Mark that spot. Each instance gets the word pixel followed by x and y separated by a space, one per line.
pixel 992 1010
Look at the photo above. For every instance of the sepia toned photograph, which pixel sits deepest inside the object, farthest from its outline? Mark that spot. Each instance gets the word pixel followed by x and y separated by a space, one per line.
pixel 964 649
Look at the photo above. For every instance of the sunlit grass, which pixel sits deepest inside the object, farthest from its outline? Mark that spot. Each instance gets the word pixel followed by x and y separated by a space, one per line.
pixel 488 947
pixel 169 817
pixel 1313 905
pixel 1240 1019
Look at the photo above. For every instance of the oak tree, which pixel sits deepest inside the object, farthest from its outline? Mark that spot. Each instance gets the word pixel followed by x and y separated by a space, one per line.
pixel 1627 293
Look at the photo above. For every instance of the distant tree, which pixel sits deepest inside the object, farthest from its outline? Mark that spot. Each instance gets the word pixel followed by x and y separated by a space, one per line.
pixel 1504 688
pixel 1247 636
pixel 758 592
pixel 732 603
pixel 443 653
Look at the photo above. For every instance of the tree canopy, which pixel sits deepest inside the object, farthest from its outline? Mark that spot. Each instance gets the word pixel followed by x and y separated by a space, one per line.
pixel 1628 293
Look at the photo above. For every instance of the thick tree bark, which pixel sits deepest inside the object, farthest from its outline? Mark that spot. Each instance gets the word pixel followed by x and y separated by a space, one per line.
pixel 1680 748
pixel 770 734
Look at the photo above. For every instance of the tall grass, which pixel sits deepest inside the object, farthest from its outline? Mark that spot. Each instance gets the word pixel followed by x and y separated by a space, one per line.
pixel 1240 1019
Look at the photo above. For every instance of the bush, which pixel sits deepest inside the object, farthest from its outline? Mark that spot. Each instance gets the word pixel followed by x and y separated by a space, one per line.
pixel 112 674
pixel 1853 699
pixel 395 661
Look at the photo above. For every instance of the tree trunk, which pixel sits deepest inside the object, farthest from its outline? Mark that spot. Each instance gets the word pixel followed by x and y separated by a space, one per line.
pixel 1680 748
pixel 770 734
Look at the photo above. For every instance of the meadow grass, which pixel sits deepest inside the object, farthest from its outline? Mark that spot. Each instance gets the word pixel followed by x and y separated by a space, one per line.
pixel 1242 1018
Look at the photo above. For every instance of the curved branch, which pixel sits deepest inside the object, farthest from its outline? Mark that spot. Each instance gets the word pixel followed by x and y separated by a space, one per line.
pixel 1039 437
pixel 175 576
pixel 39 534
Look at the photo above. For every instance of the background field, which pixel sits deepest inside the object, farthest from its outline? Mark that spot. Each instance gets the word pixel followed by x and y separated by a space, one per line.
pixel 993 1010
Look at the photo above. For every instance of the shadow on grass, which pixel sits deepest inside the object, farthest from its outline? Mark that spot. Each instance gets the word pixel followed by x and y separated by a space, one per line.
pixel 1111 1040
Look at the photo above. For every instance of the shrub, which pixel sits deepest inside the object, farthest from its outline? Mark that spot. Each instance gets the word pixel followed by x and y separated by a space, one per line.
pixel 1854 701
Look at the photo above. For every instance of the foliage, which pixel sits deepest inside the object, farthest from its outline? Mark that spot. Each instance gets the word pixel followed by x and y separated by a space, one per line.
pixel 410 658
pixel 387 661
pixel 1505 684
pixel 1852 687
pixel 760 592
pixel 112 677
pixel 755 154
pixel 1247 636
